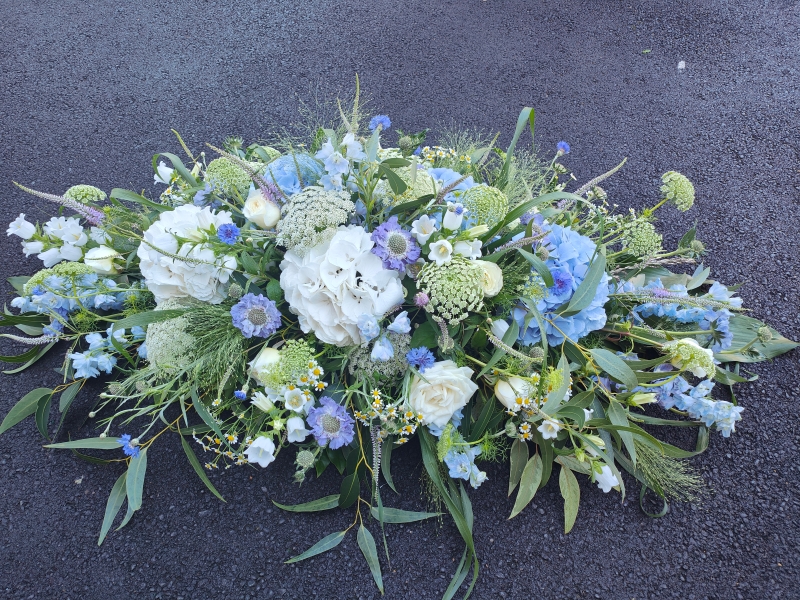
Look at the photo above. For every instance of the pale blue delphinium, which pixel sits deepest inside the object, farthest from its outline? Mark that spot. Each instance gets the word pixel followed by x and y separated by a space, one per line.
pixel 368 327
pixel 382 350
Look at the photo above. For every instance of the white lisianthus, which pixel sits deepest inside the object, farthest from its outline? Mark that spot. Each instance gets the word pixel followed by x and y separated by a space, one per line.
pixel 101 259
pixel 606 479
pixel 32 248
pixel 204 276
pixel 441 252
pixel 423 228
pixel 507 391
pixel 335 283
pixel 469 249
pixel 257 209
pixel 549 429
pixel 163 174
pixel 441 391
pixel 261 451
pixel 263 362
pixel 296 430
pixel 492 279
pixel 22 228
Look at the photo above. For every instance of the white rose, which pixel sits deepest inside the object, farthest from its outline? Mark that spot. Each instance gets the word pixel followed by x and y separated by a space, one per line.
pixel 101 259
pixel 507 392
pixel 492 279
pixel 262 362
pixel 445 389
pixel 261 211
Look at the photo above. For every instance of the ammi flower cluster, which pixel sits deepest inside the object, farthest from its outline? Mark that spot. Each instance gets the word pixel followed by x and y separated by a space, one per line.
pixel 362 290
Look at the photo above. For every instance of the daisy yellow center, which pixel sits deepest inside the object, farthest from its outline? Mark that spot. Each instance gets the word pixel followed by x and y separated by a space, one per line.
pixel 330 424
pixel 257 315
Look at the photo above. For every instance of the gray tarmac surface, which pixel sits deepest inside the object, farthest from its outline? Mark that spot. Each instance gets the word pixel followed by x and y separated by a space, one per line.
pixel 89 91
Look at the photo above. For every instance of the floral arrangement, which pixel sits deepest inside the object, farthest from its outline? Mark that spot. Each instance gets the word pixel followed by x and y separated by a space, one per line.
pixel 342 297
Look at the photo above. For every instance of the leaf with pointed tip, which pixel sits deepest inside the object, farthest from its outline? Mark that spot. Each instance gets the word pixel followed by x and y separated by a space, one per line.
pixel 350 490
pixel 325 503
pixel 519 458
pixel 398 515
pixel 90 443
pixel 198 468
pixel 367 544
pixel 529 483
pixel 327 543
pixel 135 482
pixel 26 406
pixel 615 367
pixel 571 492
pixel 115 500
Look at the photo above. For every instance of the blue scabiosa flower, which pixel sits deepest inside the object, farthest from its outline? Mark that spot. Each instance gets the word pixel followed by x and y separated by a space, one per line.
pixel 381 120
pixel 240 394
pixel 228 233
pixel 128 448
pixel 394 245
pixel 330 424
pixel 256 316
pixel 421 358
pixel 562 148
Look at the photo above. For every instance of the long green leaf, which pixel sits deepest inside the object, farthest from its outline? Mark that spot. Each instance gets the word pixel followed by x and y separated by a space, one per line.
pixel 42 351
pixel 68 395
pixel 587 290
pixel 540 266
pixel 618 415
pixel 115 500
pixel 386 462
pixel 129 196
pixel 43 414
pixel 325 544
pixel 325 503
pixel 179 166
pixel 135 481
pixel 526 117
pixel 91 443
pixel 367 544
pixel 571 492
pixel 145 318
pixel 350 490
pixel 24 408
pixel 531 478
pixel 615 367
pixel 398 515
pixel 519 458
pixel 198 468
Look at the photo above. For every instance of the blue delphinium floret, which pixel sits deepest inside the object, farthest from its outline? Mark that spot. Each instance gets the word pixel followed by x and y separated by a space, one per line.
pixel 394 245
pixel 127 447
pixel 461 465
pixel 368 327
pixel 256 316
pixel 228 233
pixel 570 255
pixel 382 350
pixel 421 358
pixel 382 120
pixel 330 424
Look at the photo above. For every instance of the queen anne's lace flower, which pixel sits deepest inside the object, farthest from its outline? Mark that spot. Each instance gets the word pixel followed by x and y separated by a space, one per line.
pixel 311 217
pixel 85 194
pixel 678 189
pixel 175 262
pixel 455 288
pixel 336 282
pixel 641 238
pixel 228 179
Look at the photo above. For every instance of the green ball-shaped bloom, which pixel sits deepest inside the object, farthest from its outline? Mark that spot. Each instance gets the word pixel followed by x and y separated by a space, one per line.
pixel 227 178
pixel 486 205
pixel 455 288
pixel 641 238
pixel 678 189
pixel 85 194
pixel 265 154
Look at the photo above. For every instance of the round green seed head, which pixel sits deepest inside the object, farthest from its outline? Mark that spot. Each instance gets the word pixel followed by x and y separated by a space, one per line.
pixel 486 204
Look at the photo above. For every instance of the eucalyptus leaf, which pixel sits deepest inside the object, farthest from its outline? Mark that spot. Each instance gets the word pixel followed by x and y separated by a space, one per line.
pixel 349 491
pixel 571 492
pixel 115 501
pixel 135 481
pixel 367 544
pixel 398 515
pixel 518 460
pixel 26 406
pixel 616 368
pixel 587 290
pixel 540 266
pixel 325 544
pixel 317 505
pixel 198 468
pixel 97 443
pixel 529 483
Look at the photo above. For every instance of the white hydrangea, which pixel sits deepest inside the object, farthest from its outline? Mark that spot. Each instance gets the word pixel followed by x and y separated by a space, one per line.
pixel 204 275
pixel 335 283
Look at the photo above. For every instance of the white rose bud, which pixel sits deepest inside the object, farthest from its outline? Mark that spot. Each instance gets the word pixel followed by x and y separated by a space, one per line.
pixel 101 259
pixel 266 358
pixel 492 280
pixel 508 391
pixel 257 209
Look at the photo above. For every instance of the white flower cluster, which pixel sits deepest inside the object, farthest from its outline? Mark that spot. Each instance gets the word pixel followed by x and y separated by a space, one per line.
pixel 176 262
pixel 335 283
pixel 310 218
pixel 62 238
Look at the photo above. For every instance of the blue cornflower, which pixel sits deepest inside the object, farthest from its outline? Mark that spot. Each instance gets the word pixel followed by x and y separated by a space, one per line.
pixel 256 316
pixel 127 447
pixel 382 120
pixel 240 394
pixel 562 148
pixel 228 233
pixel 421 358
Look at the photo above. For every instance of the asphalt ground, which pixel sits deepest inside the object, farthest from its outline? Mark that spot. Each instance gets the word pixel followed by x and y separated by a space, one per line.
pixel 89 92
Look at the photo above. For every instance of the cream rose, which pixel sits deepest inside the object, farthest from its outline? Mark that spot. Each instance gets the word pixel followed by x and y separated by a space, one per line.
pixel 101 259
pixel 492 280
pixel 441 391
pixel 507 391
pixel 261 211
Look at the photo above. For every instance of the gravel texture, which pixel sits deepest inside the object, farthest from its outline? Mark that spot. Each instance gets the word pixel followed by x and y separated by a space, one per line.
pixel 89 91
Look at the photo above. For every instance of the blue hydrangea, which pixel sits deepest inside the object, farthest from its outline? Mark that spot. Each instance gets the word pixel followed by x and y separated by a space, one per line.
pixel 569 258
pixel 421 358
pixel 283 171
pixel 228 233
pixel 379 120
pixel 444 177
